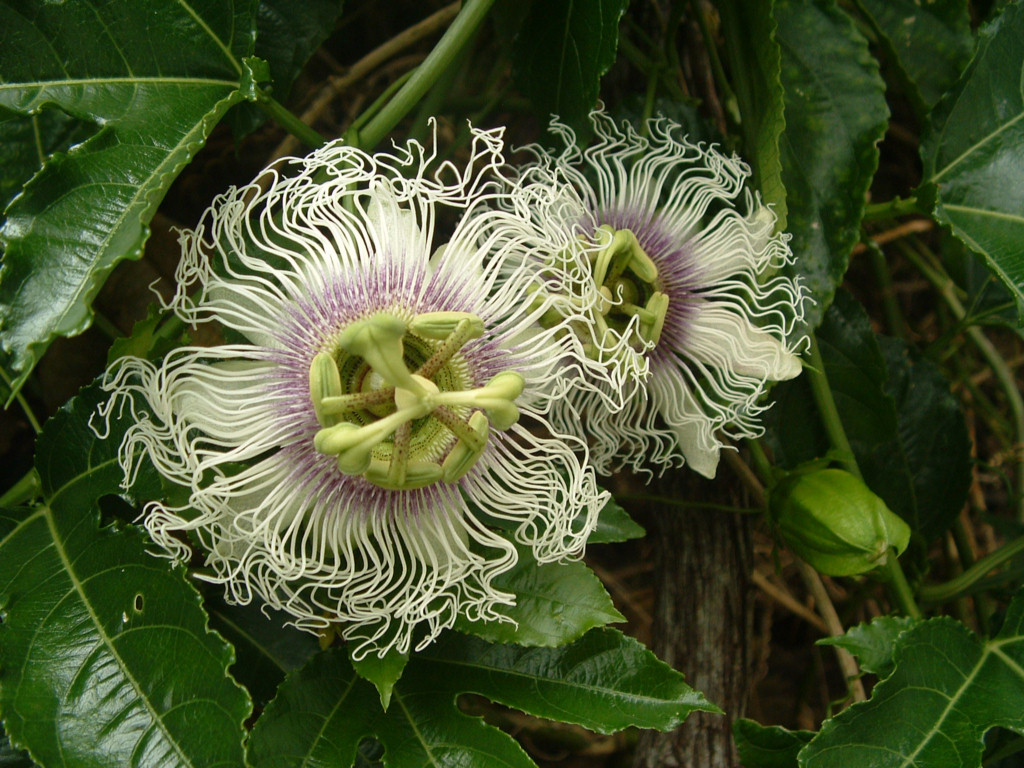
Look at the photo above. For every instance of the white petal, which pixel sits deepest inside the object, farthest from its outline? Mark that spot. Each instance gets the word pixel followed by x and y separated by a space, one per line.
pixel 725 339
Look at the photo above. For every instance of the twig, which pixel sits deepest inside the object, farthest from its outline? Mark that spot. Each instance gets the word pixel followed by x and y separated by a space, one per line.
pixel 787 601
pixel 834 627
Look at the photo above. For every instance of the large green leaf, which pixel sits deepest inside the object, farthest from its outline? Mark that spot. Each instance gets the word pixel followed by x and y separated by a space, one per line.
pixel 157 77
pixel 753 53
pixel 948 688
pixel 835 115
pixel 972 152
pixel 604 681
pixel 562 50
pixel 931 42
pixel 556 603
pixel 106 655
pixel 932 434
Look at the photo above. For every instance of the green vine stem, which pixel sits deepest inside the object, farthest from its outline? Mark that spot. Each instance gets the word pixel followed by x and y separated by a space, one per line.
pixel 891 209
pixel 289 122
pixel 26 489
pixel 940 593
pixel 944 286
pixel 451 43
pixel 822 392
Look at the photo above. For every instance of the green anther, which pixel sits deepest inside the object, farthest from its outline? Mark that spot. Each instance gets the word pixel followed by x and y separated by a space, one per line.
pixel 604 304
pixel 441 325
pixel 603 258
pixel 626 245
pixel 324 384
pixel 417 475
pixel 641 264
pixel 346 437
pixel 378 340
pixel 496 398
pixel 464 455
pixel 645 315
pixel 657 306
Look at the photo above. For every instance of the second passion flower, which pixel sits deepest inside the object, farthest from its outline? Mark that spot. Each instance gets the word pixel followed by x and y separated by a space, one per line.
pixel 353 455
pixel 676 267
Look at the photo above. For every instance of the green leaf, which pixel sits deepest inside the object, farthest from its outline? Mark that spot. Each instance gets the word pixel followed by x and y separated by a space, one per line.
pixel 931 42
pixel 556 603
pixel 287 34
pixel 947 690
pixel 561 52
pixel 615 525
pixel 323 711
pixel 265 648
pixel 835 115
pixel 157 77
pixel 932 434
pixel 971 152
pixel 604 681
pixel 753 53
pixel 873 642
pixel 106 655
pixel 11 757
pixel 768 746
pixel 383 672
pixel 26 141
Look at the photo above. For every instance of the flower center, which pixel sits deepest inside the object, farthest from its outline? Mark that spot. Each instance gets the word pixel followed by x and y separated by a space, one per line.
pixel 627 280
pixel 395 398
pixel 629 287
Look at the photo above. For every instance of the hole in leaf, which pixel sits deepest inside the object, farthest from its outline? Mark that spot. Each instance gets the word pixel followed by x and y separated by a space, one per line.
pixel 138 603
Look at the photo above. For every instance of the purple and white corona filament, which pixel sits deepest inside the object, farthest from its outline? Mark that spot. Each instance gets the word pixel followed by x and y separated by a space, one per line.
pixel 689 320
pixel 342 453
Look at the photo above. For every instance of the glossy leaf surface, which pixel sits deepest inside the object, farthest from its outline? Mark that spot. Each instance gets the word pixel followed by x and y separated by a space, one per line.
pixel 835 115
pixel 948 688
pixel 604 681
pixel 972 152
pixel 873 642
pixel 930 42
pixel 556 603
pixel 157 77
pixel 106 655
pixel 768 746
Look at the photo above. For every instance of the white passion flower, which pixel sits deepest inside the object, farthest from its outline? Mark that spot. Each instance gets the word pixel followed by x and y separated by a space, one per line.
pixel 676 265
pixel 353 454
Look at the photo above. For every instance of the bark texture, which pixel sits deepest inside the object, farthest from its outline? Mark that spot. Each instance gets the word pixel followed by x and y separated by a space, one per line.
pixel 703 626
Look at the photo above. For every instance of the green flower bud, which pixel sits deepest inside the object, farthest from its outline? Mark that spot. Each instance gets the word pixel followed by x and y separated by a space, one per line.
pixel 834 522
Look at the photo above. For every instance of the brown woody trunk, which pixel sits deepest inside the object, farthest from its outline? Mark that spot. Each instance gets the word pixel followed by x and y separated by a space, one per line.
pixel 703 625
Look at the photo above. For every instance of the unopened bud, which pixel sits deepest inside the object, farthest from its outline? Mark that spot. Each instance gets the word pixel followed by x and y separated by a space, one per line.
pixel 833 521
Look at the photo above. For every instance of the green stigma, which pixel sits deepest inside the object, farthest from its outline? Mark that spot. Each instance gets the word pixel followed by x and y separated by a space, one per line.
pixel 396 404
pixel 628 285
